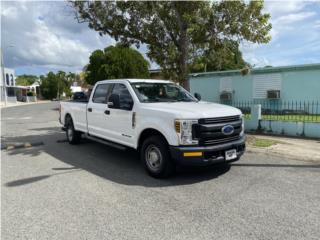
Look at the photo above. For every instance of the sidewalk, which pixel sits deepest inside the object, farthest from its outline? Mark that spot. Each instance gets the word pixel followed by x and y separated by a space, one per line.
pixel 2 105
pixel 295 148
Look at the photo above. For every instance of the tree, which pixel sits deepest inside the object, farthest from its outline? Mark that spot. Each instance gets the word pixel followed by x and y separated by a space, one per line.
pixel 117 61
pixel 76 78
pixel 26 80
pixel 227 57
pixel 177 32
pixel 54 85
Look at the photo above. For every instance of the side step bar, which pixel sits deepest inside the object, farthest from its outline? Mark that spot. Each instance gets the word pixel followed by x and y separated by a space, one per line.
pixel 105 142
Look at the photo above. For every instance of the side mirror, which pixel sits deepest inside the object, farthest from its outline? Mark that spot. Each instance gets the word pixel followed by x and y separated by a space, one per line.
pixel 197 96
pixel 114 101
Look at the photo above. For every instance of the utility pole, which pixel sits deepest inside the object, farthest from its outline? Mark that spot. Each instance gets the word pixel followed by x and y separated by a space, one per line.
pixel 4 77
pixel 4 89
pixel 58 93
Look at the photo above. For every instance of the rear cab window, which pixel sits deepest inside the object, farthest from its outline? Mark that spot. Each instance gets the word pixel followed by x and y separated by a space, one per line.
pixel 101 93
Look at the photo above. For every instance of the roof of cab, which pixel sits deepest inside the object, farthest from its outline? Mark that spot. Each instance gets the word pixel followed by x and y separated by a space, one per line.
pixel 135 80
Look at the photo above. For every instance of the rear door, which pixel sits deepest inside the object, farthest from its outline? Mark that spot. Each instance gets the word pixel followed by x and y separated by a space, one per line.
pixel 97 117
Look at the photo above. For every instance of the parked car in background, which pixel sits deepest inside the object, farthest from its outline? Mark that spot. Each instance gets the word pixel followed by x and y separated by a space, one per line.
pixel 80 96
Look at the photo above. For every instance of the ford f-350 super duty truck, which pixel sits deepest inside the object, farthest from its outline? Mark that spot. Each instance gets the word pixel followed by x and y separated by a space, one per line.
pixel 163 121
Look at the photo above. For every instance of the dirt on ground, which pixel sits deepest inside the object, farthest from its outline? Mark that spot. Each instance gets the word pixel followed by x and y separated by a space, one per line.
pixel 295 148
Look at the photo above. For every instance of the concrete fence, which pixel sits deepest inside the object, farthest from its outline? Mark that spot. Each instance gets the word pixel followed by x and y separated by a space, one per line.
pixel 280 127
pixel 31 99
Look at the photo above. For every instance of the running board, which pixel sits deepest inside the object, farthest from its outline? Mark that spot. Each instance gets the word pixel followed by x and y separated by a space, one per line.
pixel 105 142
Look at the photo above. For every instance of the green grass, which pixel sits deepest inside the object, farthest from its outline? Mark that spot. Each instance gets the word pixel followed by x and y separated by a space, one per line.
pixel 289 118
pixel 263 143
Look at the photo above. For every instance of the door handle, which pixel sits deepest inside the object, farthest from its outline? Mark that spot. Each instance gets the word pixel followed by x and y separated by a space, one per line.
pixel 89 109
pixel 107 112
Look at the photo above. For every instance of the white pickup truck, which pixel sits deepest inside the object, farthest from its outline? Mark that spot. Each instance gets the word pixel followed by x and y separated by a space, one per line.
pixel 164 122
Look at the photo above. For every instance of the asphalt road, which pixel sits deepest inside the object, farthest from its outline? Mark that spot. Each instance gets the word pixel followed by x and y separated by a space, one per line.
pixel 90 191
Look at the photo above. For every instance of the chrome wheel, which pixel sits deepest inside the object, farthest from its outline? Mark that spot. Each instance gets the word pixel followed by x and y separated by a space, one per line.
pixel 153 157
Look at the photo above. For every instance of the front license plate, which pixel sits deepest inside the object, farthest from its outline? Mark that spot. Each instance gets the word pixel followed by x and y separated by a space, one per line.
pixel 231 154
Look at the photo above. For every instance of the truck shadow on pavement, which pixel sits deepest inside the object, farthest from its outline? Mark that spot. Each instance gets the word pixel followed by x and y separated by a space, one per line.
pixel 122 167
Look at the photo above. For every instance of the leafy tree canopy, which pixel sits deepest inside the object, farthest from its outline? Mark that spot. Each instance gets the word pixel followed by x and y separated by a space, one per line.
pixel 226 57
pixel 53 85
pixel 114 62
pixel 177 32
pixel 26 80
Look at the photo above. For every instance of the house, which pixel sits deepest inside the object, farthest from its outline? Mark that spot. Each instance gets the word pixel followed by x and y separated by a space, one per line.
pixel 75 88
pixel 22 91
pixel 8 84
pixel 272 84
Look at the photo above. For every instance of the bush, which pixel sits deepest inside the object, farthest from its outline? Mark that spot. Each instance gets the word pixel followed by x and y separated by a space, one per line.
pixel 30 94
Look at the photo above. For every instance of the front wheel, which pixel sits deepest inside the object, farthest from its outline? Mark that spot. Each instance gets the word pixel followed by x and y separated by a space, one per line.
pixel 156 157
pixel 73 136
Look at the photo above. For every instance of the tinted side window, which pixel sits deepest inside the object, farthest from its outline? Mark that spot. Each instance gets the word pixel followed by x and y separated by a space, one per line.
pixel 125 97
pixel 101 93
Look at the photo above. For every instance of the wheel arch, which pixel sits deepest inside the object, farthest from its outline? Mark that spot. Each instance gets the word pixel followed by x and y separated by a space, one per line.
pixel 66 116
pixel 147 133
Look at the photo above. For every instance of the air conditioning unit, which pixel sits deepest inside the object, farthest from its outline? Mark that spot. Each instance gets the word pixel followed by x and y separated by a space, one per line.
pixel 226 96
pixel 273 94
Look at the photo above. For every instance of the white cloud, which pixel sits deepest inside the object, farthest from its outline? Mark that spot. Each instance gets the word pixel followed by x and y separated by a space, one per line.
pixel 45 34
pixel 293 35
pixel 280 8
pixel 293 17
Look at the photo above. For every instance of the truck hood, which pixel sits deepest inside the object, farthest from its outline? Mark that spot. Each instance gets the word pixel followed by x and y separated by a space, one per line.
pixel 193 110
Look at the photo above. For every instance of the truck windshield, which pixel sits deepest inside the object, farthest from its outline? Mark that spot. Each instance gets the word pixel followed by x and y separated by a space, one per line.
pixel 161 92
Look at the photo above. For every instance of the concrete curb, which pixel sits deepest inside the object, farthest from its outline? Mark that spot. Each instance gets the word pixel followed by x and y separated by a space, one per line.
pixel 23 104
pixel 269 152
pixel 11 146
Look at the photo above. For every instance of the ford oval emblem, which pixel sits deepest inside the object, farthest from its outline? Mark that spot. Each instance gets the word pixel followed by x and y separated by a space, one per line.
pixel 227 130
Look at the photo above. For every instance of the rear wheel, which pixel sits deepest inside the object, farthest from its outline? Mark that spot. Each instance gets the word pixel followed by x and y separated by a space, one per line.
pixel 73 136
pixel 156 157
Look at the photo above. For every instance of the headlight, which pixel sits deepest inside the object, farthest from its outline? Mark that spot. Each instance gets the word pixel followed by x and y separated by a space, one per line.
pixel 242 125
pixel 184 131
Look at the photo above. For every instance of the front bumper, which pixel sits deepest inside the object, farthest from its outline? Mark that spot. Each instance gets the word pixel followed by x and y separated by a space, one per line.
pixel 210 154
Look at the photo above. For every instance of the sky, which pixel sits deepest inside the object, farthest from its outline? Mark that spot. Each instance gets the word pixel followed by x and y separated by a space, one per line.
pixel 38 37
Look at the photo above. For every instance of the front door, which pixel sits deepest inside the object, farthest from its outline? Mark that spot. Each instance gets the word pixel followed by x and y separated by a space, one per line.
pixel 120 125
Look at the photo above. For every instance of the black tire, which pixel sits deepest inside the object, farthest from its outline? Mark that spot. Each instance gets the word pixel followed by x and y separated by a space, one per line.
pixel 156 158
pixel 73 136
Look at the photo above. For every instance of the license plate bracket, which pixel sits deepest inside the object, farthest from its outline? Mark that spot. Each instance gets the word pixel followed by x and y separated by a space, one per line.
pixel 230 154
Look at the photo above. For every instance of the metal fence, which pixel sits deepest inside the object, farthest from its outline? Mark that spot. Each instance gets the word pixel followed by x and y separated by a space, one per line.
pixel 277 110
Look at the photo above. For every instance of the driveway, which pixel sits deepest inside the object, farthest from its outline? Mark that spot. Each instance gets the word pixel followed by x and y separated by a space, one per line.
pixel 90 191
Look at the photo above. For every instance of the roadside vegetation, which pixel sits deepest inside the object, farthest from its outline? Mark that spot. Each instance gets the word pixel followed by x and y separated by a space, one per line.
pixel 53 85
pixel 26 80
pixel 261 142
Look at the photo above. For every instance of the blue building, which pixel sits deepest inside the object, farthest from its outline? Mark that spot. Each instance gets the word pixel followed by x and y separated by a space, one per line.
pixel 288 98
pixel 276 84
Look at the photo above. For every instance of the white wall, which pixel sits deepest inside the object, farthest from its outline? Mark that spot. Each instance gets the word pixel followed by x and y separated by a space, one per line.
pixel 10 74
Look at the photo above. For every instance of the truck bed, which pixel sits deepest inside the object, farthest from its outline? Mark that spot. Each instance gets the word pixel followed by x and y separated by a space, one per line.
pixel 78 111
